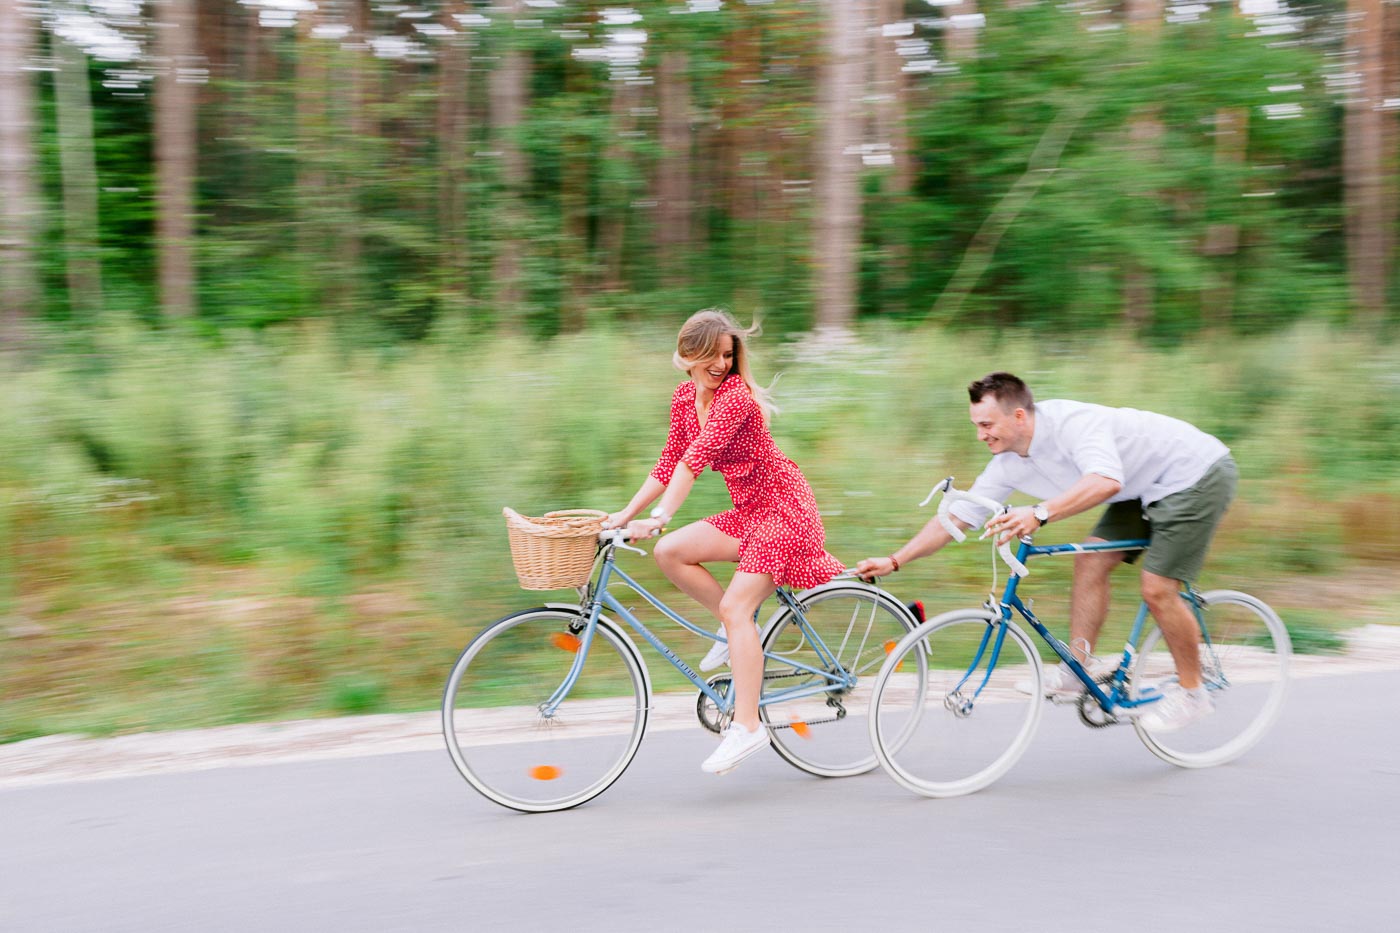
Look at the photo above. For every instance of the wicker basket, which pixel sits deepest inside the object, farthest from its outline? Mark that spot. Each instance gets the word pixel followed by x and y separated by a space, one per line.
pixel 554 552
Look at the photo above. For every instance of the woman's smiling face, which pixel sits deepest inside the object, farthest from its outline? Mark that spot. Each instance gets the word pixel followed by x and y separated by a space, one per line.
pixel 709 373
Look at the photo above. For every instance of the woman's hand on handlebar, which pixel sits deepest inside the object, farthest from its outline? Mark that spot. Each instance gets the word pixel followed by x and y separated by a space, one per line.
pixel 643 528
pixel 616 520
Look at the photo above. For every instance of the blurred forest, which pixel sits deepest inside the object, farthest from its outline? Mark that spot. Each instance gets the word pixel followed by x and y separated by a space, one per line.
pixel 295 296
pixel 539 166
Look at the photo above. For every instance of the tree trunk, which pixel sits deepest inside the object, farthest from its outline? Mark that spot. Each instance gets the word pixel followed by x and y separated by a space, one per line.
pixel 349 287
pixel 1145 132
pixel 1144 16
pixel 961 34
pixel 312 141
pixel 1222 241
pixel 19 196
pixel 1390 143
pixel 508 87
pixel 175 145
pixel 612 237
pixel 78 167
pixel 1362 164
pixel 892 130
pixel 891 116
pixel 573 208
pixel 737 120
pixel 838 178
pixel 674 209
pixel 454 62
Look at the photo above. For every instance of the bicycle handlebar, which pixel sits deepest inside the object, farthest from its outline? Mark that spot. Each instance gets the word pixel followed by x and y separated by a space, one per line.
pixel 618 538
pixel 951 495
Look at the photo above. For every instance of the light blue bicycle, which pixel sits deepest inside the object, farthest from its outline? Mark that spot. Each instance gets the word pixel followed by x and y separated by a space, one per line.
pixel 976 699
pixel 546 708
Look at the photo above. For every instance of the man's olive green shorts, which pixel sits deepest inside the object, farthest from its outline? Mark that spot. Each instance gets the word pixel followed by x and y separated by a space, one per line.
pixel 1180 526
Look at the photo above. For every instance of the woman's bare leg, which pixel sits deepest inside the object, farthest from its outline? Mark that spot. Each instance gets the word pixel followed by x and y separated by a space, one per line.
pixel 746 592
pixel 680 554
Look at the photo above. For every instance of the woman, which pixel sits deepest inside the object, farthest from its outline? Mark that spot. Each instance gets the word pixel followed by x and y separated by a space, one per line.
pixel 719 419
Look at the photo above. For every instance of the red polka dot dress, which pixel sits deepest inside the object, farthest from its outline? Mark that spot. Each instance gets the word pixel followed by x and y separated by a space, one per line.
pixel 775 515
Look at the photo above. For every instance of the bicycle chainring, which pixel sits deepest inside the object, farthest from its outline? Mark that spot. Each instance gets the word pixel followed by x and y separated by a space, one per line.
pixel 710 715
pixel 1092 714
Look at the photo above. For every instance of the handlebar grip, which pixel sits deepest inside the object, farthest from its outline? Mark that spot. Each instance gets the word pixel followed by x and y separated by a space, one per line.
pixel 1018 568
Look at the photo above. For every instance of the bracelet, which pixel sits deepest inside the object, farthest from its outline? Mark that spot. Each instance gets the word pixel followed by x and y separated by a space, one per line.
pixel 895 562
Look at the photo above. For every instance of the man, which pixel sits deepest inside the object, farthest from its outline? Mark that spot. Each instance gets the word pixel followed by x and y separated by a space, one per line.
pixel 1162 478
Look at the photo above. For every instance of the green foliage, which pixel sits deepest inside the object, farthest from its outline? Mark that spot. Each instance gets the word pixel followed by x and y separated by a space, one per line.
pixel 333 185
pixel 1314 633
pixel 279 526
pixel 1143 182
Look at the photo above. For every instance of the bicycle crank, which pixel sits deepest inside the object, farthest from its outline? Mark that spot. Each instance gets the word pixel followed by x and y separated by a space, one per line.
pixel 710 715
pixel 1092 714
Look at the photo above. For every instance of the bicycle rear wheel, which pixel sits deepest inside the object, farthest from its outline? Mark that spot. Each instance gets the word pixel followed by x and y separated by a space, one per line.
pixel 1244 665
pixel 493 718
pixel 855 626
pixel 973 724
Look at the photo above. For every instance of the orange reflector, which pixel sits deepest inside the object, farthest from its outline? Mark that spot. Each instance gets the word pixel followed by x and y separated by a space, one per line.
pixel 889 649
pixel 801 728
pixel 544 772
pixel 565 642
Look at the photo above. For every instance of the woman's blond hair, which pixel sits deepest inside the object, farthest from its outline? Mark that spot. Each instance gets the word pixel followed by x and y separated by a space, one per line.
pixel 699 341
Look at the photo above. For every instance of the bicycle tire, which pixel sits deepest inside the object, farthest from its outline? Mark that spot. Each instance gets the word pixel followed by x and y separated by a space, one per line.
pixel 1245 668
pixel 497 735
pixel 969 734
pixel 824 734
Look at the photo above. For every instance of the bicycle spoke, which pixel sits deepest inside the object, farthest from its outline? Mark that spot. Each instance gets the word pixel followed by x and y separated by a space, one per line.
pixel 972 725
pixel 830 655
pixel 518 736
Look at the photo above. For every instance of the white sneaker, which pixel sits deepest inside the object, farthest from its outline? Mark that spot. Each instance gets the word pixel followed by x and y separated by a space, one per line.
pixel 718 655
pixel 1177 709
pixel 738 744
pixel 1062 683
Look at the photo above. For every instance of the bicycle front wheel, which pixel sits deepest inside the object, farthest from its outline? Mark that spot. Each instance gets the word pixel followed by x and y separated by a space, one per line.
pixel 1244 654
pixel 845 631
pixel 501 732
pixel 979 704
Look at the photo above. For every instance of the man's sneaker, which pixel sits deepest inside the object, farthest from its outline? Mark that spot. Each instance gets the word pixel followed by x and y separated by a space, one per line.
pixel 738 744
pixel 1177 709
pixel 718 655
pixel 1060 682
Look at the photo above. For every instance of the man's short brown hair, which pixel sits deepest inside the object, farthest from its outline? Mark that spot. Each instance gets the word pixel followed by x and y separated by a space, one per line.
pixel 1010 392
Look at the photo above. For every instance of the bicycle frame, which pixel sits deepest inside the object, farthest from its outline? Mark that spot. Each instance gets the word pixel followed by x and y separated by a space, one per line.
pixel 1116 697
pixel 599 597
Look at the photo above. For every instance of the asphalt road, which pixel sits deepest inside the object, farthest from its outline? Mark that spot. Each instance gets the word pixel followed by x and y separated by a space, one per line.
pixel 1087 831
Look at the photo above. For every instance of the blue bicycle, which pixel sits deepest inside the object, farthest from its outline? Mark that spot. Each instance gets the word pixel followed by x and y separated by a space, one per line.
pixel 546 708
pixel 977 697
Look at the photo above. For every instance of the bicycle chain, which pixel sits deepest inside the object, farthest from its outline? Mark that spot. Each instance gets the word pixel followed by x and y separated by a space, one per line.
pixel 717 724
pixel 1088 708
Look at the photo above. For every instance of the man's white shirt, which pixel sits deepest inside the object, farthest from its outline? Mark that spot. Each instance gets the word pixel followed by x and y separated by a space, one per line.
pixel 1151 455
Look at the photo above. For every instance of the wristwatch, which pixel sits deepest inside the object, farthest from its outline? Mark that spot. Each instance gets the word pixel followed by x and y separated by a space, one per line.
pixel 660 515
pixel 1041 513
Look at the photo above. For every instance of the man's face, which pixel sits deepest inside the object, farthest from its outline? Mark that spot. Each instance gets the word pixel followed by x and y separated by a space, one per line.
pixel 999 430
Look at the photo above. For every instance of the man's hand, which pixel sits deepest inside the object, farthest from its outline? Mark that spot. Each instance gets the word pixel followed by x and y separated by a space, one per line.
pixel 875 567
pixel 1016 523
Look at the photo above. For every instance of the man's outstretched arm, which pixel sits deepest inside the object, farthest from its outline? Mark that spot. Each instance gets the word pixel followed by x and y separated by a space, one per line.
pixel 930 539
